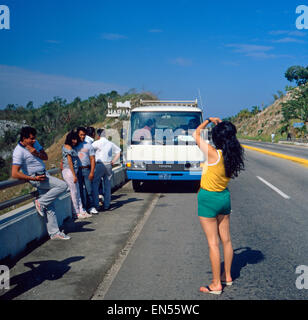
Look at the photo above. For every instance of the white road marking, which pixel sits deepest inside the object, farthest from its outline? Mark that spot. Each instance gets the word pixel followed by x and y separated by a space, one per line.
pixel 274 188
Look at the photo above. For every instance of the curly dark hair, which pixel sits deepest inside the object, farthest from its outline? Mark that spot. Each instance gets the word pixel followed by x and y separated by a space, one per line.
pixel 224 138
pixel 25 132
pixel 71 136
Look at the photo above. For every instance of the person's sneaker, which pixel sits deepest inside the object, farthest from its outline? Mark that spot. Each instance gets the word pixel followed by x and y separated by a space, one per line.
pixel 93 211
pixel 60 236
pixel 80 216
pixel 83 215
pixel 39 208
pixel 87 215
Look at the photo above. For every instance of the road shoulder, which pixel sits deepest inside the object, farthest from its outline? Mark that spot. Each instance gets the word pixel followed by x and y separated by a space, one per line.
pixel 62 270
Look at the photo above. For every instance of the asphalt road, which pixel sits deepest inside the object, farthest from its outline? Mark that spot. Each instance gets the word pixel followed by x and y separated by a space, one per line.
pixel 290 150
pixel 151 246
pixel 169 259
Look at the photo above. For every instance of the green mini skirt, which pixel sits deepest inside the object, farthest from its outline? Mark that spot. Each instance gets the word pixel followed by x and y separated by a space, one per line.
pixel 211 204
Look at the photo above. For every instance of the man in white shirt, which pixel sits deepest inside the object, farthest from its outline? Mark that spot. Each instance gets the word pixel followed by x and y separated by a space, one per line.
pixel 104 151
pixel 28 165
pixel 273 137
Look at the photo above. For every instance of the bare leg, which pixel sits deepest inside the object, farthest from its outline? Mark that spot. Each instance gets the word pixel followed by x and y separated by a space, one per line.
pixel 210 227
pixel 224 233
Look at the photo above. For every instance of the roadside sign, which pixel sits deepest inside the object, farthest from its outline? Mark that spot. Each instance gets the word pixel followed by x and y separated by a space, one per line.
pixel 298 124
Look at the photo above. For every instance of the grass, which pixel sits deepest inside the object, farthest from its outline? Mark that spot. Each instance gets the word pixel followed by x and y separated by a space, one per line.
pixel 263 138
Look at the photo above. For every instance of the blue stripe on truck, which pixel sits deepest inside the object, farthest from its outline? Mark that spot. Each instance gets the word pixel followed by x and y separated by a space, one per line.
pixel 163 175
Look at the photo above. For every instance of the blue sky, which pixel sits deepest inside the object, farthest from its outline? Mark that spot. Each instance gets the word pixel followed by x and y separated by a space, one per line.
pixel 235 52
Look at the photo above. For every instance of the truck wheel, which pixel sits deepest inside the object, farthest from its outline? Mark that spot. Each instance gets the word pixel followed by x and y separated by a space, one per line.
pixel 136 185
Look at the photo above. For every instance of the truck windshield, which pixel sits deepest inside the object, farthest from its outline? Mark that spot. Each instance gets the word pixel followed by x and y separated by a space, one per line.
pixel 164 127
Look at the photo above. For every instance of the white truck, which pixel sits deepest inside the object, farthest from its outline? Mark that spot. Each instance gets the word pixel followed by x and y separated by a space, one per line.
pixel 160 145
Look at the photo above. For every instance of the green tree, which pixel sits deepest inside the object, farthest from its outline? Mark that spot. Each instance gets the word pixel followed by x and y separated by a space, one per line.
pixel 275 96
pixel 10 107
pixel 244 114
pixel 298 74
pixel 284 129
pixel 255 110
pixel 30 105
pixel 297 106
pixel 4 170
pixel 113 95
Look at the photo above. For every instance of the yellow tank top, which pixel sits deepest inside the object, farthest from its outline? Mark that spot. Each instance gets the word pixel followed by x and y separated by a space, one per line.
pixel 214 176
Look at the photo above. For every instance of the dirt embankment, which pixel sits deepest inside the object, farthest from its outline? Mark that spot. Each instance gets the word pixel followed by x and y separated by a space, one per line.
pixel 266 122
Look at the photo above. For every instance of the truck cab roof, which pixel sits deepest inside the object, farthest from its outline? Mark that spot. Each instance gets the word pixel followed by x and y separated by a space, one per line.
pixel 166 109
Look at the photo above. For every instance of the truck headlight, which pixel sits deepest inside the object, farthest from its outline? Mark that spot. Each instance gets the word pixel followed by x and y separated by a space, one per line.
pixel 138 165
pixel 192 165
pixel 195 165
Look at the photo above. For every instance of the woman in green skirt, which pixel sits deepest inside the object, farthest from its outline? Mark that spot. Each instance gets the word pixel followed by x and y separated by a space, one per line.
pixel 224 162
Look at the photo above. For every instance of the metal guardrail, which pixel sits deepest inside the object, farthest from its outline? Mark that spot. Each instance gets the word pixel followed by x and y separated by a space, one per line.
pixel 15 182
pixel 299 140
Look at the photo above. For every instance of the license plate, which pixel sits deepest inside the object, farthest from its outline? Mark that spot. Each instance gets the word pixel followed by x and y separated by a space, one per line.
pixel 164 176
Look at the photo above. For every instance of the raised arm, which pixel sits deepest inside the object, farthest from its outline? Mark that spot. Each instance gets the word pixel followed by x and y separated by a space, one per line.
pixel 204 146
pixel 40 154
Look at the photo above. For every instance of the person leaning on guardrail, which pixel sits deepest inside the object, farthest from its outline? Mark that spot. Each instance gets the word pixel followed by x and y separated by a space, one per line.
pixel 225 161
pixel 28 165
pixel 85 175
pixel 70 165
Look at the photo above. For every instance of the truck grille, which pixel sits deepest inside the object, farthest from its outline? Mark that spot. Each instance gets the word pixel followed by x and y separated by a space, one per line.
pixel 165 167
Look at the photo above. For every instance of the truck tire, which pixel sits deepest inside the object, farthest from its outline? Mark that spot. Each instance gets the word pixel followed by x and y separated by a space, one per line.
pixel 136 185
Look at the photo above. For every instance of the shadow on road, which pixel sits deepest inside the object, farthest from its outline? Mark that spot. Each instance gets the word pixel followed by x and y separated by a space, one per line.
pixel 73 226
pixel 40 272
pixel 120 203
pixel 242 259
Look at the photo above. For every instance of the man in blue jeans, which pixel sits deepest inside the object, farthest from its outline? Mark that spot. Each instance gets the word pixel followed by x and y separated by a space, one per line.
pixel 85 176
pixel 28 165
pixel 106 155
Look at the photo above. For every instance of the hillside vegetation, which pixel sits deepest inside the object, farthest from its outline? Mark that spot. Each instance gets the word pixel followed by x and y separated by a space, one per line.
pixel 54 119
pixel 288 108
pixel 260 124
